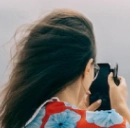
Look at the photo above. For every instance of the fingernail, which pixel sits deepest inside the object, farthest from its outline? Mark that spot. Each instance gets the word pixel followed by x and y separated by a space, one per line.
pixel 88 93
pixel 110 75
pixel 99 101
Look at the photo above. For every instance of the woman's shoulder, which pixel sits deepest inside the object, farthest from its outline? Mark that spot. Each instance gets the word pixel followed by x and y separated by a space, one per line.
pixel 55 113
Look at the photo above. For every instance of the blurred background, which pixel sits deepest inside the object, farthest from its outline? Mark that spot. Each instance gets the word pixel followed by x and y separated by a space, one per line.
pixel 110 18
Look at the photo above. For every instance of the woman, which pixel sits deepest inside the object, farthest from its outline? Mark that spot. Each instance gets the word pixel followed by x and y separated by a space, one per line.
pixel 49 84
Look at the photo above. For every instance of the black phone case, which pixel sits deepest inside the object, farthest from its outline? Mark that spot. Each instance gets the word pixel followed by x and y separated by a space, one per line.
pixel 100 88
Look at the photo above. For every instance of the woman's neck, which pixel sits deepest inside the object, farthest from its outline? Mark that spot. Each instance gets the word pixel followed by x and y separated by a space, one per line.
pixel 71 94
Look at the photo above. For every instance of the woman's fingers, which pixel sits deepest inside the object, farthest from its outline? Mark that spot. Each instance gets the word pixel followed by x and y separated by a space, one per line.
pixel 84 104
pixel 118 96
pixel 123 83
pixel 115 90
pixel 111 81
pixel 95 105
pixel 88 93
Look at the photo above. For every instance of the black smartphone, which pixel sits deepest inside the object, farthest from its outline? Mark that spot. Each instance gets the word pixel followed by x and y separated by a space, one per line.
pixel 115 74
pixel 100 88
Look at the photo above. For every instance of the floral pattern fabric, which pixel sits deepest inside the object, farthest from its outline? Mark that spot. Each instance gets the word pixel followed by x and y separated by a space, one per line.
pixel 37 121
pixel 104 118
pixel 57 114
pixel 65 119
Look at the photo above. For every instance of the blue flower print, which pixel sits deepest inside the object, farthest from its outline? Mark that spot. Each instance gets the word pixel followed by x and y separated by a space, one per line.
pixel 105 118
pixel 37 121
pixel 66 119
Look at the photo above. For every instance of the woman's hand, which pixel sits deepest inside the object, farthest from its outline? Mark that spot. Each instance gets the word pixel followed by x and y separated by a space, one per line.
pixel 118 96
pixel 84 104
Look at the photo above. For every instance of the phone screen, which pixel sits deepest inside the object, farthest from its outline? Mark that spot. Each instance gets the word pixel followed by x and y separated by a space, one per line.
pixel 100 88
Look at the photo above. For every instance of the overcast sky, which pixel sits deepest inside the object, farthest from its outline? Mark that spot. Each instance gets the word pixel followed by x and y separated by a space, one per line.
pixel 111 20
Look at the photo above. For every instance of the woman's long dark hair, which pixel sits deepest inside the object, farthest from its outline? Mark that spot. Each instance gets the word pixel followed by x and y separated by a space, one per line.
pixel 53 54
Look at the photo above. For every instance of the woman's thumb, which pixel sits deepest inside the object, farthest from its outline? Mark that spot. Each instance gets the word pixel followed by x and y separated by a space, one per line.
pixel 95 105
pixel 111 80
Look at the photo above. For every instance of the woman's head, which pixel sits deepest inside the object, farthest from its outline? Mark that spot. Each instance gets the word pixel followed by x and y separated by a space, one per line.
pixel 56 52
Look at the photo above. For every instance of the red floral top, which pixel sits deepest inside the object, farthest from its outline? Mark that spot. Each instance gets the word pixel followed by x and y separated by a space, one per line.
pixel 56 114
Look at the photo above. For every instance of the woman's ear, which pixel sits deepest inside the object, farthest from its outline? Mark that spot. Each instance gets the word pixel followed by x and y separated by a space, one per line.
pixel 89 66
pixel 87 76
